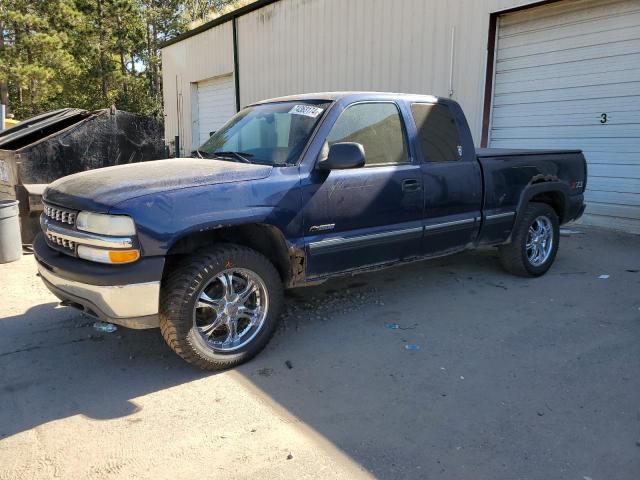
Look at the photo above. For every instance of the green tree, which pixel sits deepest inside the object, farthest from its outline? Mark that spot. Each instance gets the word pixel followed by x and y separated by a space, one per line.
pixel 109 45
pixel 91 53
pixel 35 61
pixel 203 10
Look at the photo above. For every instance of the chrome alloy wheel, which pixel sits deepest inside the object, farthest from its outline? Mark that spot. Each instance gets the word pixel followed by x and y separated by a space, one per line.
pixel 231 309
pixel 539 241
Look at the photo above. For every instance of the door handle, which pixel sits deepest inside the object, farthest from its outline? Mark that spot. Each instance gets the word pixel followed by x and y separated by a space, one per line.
pixel 410 185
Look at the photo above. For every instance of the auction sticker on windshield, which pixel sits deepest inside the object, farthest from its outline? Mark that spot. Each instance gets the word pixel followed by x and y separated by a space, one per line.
pixel 306 110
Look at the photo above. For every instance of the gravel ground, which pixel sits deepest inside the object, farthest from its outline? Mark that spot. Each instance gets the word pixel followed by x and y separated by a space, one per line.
pixel 508 378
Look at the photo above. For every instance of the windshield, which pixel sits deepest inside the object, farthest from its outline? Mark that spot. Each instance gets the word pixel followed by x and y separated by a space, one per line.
pixel 270 133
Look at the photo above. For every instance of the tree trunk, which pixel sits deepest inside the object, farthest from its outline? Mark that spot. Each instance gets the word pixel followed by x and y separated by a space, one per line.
pixel 103 69
pixel 4 90
pixel 149 58
pixel 123 67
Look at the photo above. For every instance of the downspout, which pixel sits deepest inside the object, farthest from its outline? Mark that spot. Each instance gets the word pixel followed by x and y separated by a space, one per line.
pixel 453 48
pixel 236 68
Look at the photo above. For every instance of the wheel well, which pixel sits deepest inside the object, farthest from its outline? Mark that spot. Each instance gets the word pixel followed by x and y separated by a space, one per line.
pixel 264 239
pixel 554 199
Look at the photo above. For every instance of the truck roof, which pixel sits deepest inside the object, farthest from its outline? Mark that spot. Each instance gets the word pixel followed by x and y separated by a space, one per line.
pixel 333 96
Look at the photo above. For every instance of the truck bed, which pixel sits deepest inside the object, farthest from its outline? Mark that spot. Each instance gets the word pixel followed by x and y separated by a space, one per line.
pixel 508 174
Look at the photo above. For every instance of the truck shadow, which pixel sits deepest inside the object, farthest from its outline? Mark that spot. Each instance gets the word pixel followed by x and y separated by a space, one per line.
pixel 449 368
pixel 55 365
pixel 338 363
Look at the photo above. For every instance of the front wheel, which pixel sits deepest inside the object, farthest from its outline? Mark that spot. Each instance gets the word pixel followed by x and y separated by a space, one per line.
pixel 534 242
pixel 220 307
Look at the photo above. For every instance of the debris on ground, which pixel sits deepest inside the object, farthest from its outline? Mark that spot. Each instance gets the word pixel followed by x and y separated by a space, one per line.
pixel 105 327
pixel 604 277
pixel 289 457
pixel 289 364
pixel 300 308
pixel 412 346
pixel 567 232
pixel 265 372
pixel 397 326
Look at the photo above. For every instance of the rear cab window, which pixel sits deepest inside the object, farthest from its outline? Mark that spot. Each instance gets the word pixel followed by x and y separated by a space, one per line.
pixel 438 133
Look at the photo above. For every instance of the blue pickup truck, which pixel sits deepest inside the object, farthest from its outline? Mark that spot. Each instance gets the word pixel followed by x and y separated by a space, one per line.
pixel 290 192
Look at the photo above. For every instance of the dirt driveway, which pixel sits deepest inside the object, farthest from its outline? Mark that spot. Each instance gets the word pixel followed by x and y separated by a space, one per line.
pixel 513 378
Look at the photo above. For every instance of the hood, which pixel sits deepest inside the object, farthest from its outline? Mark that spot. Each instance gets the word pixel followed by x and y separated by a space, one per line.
pixel 100 189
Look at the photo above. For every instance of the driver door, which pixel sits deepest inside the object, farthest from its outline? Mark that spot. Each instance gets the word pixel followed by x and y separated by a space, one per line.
pixel 360 217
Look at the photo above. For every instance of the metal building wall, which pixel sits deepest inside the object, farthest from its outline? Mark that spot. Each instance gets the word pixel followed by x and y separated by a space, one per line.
pixel 295 46
pixel 204 56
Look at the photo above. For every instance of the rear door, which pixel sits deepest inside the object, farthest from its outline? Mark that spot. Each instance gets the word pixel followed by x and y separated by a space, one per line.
pixel 451 176
pixel 370 215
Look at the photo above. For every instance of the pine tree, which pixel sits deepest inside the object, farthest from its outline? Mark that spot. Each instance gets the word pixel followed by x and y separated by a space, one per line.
pixel 35 61
pixel 90 53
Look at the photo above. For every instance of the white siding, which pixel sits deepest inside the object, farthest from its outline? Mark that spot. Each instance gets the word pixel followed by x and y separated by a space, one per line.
pixel 558 69
pixel 295 46
pixel 215 103
pixel 207 55
pixel 400 45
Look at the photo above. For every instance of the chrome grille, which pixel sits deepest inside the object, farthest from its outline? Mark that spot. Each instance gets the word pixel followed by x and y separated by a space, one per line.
pixel 63 242
pixel 60 215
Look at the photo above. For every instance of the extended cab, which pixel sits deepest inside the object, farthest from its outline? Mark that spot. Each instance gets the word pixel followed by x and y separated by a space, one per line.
pixel 289 192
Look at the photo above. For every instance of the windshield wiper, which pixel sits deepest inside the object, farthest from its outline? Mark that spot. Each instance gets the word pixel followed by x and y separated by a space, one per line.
pixel 242 156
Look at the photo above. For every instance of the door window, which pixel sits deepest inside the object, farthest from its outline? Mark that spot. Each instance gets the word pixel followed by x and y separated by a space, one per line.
pixel 377 127
pixel 437 132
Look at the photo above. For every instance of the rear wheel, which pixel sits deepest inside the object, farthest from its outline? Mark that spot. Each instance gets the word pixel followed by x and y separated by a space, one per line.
pixel 534 242
pixel 221 307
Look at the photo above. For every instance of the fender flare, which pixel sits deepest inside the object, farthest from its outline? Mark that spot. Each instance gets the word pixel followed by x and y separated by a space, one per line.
pixel 531 190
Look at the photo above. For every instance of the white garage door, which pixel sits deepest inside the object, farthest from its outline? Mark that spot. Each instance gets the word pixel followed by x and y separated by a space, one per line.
pixel 568 76
pixel 216 103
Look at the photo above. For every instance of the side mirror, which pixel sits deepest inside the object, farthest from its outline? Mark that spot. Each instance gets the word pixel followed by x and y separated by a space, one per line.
pixel 342 156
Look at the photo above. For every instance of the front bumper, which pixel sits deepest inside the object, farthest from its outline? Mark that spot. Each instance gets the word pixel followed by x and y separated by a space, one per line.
pixel 132 306
pixel 130 299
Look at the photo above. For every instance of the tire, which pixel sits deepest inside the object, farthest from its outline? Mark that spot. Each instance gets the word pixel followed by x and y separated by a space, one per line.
pixel 519 259
pixel 195 297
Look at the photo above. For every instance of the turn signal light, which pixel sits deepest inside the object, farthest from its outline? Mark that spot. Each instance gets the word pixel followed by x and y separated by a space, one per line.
pixel 123 256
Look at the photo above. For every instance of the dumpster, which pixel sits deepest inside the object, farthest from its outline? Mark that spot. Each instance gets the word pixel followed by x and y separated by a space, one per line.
pixel 44 148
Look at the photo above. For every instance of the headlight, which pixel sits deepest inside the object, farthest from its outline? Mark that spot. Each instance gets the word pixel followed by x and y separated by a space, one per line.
pixel 105 224
pixel 107 256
